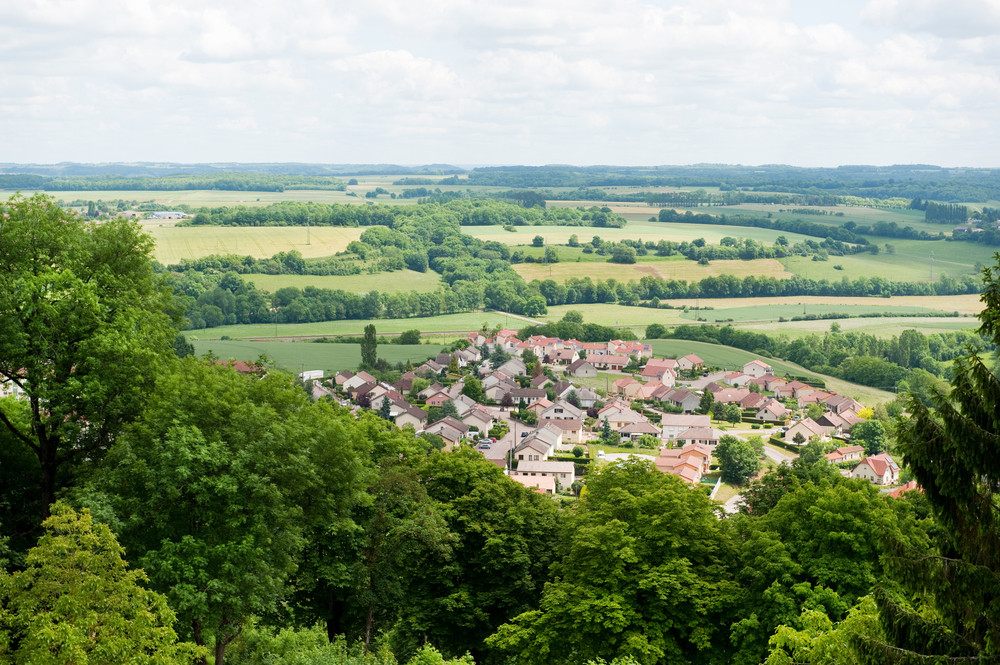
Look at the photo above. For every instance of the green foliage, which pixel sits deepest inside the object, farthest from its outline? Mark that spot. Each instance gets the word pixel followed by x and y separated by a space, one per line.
pixel 409 337
pixel 733 414
pixel 215 486
pixel 85 328
pixel 369 347
pixel 870 434
pixel 473 389
pixel 822 642
pixel 737 459
pixel 644 575
pixel 77 601
pixel 707 402
pixel 578 451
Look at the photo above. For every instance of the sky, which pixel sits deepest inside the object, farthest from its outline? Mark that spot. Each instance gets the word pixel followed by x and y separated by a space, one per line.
pixel 809 83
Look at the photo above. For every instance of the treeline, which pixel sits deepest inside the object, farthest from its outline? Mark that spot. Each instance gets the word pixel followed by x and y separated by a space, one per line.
pixel 464 211
pixel 282 263
pixel 901 181
pixel 240 182
pixel 945 213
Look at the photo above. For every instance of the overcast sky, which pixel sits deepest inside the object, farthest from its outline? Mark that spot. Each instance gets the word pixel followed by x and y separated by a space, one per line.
pixel 810 82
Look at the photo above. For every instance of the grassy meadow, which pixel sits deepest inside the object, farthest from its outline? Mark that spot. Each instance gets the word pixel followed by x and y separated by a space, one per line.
pixel 299 356
pixel 430 324
pixel 730 358
pixel 387 282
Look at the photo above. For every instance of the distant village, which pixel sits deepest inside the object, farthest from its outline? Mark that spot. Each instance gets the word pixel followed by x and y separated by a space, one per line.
pixel 535 408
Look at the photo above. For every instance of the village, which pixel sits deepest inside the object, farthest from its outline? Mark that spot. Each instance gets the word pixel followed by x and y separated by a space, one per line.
pixel 534 408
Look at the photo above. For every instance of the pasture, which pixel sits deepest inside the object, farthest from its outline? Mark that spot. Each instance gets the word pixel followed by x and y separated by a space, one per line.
pixel 446 323
pixel 733 359
pixel 882 327
pixel 387 282
pixel 771 312
pixel 299 356
pixel 679 270
pixel 174 244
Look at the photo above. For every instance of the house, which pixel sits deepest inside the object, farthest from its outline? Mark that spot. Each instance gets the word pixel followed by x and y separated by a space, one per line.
pixel 562 410
pixel 359 379
pixel 840 403
pixel 563 472
pixel 793 389
pixel 754 401
pixel 833 424
pixel 533 447
pixel 878 469
pixel 638 349
pixel 463 404
pixel 685 399
pixel 903 489
pixel 513 367
pixel 479 418
pixel 608 361
pixel 497 392
pixel 540 382
pixel 539 406
pixel 690 362
pixel 656 371
pixel 808 428
pixel 649 390
pixel 412 416
pixel 438 399
pixel 771 382
pixel 561 356
pixel 634 431
pixel 618 386
pixel 540 484
pixel 689 463
pixel 527 396
pixel 432 389
pixel 773 411
pixel 757 368
pixel 727 395
pixel 587 397
pixel 430 368
pixel 618 420
pixel 361 391
pixel 573 430
pixel 450 429
pixel 846 454
pixel 706 436
pixel 342 377
pixel 581 369
pixel 736 379
pixel 673 424
pixel 562 389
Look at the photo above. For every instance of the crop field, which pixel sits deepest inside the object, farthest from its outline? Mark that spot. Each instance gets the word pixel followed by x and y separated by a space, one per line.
pixel 730 358
pixel 299 356
pixel 431 324
pixel 881 327
pixel 386 282
pixel 646 230
pixel 173 244
pixel 686 270
pixel 963 304
pixel 773 312
pixel 910 263
pixel 197 198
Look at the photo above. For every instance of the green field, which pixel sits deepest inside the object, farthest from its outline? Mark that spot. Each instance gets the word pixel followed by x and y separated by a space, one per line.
pixel 646 230
pixel 444 323
pixel 733 359
pixel 910 263
pixel 386 282
pixel 681 270
pixel 299 356
pixel 767 312
pixel 878 327
pixel 191 242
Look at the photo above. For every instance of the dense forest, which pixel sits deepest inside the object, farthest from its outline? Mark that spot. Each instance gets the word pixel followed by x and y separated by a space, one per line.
pixel 159 509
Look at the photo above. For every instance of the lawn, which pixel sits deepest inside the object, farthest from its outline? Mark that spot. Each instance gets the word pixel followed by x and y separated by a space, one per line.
pixel 681 270
pixel 173 243
pixel 386 282
pixel 431 324
pixel 300 356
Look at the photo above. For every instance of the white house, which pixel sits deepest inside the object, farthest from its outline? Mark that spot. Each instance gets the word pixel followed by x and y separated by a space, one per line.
pixel 877 469
pixel 563 472
pixel 757 368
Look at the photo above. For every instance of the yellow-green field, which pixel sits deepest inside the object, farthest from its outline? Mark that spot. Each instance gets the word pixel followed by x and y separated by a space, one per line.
pixel 386 282
pixel 686 270
pixel 646 230
pixel 173 244
pixel 881 327
pixel 210 197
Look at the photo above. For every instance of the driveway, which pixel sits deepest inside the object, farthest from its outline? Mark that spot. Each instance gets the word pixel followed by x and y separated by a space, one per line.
pixel 698 384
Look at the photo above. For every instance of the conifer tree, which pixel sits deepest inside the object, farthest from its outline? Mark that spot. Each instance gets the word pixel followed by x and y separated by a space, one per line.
pixel 953 453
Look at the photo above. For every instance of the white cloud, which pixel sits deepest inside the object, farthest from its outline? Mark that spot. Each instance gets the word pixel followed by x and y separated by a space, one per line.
pixel 525 81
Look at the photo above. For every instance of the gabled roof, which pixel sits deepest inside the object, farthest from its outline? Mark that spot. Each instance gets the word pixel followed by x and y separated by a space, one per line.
pixel 641 427
pixel 810 425
pixel 577 364
pixel 693 359
pixel 761 363
pixel 880 464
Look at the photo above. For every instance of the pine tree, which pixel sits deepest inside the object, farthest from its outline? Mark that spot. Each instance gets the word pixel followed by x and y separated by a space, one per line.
pixel 385 409
pixel 707 400
pixel 952 451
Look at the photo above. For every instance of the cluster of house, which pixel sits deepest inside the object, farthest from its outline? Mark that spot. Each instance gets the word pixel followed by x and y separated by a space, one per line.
pixel 877 469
